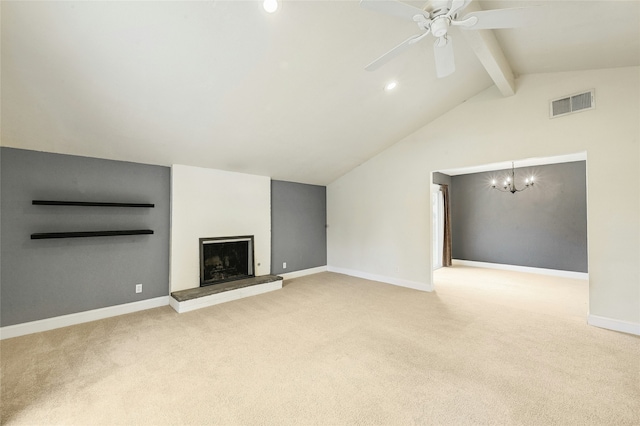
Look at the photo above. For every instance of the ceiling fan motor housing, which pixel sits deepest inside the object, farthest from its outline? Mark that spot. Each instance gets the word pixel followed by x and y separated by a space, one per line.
pixel 440 26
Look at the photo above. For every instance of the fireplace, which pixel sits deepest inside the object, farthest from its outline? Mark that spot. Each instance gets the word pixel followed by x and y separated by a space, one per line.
pixel 225 259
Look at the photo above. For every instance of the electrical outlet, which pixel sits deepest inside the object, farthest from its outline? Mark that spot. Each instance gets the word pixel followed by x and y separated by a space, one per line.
pixel 138 288
pixel 284 265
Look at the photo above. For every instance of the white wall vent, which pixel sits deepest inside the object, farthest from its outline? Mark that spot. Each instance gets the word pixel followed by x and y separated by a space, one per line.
pixel 572 103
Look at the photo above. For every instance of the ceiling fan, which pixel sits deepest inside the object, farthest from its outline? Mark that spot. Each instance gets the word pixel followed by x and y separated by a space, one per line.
pixel 436 18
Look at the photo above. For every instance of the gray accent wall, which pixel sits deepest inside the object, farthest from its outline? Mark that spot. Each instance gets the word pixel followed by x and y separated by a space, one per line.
pixel 298 226
pixel 47 278
pixel 542 227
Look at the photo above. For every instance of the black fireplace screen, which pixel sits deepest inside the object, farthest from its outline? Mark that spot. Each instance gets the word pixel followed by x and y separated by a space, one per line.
pixel 225 259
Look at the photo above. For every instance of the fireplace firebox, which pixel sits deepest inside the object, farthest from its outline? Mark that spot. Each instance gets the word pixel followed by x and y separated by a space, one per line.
pixel 225 259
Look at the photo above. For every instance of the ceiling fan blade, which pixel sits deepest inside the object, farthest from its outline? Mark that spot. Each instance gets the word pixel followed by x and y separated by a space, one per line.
pixel 394 8
pixel 455 6
pixel 501 18
pixel 443 52
pixel 468 22
pixel 395 52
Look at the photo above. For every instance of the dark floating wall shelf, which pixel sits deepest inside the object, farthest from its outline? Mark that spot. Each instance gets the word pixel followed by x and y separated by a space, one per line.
pixel 88 203
pixel 49 235
pixel 85 234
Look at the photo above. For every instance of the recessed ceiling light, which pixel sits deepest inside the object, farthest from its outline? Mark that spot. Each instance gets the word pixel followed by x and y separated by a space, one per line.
pixel 270 5
pixel 391 85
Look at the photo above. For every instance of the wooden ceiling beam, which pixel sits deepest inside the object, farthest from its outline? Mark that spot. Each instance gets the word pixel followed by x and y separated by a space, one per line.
pixel 488 50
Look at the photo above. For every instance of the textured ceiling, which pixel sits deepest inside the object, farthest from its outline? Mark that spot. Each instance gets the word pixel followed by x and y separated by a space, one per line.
pixel 225 85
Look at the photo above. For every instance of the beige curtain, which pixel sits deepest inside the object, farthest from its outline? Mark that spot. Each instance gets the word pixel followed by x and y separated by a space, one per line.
pixel 446 246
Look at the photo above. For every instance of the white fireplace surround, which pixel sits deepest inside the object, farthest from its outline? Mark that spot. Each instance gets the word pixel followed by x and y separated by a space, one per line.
pixel 208 203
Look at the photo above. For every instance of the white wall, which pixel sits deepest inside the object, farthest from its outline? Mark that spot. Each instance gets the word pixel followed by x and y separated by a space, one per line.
pixel 214 203
pixel 379 214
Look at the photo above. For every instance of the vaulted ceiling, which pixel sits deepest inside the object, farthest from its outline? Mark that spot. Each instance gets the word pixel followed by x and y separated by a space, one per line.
pixel 225 85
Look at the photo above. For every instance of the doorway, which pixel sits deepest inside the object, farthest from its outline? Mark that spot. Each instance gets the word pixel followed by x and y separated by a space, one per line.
pixel 548 185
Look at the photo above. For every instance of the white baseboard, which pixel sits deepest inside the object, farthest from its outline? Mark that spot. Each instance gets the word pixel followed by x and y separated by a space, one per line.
pixel 614 324
pixel 80 317
pixel 388 280
pixel 302 273
pixel 226 296
pixel 527 269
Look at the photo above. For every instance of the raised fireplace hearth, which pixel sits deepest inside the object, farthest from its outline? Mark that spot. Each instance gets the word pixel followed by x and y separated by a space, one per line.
pixel 227 273
pixel 202 297
pixel 224 259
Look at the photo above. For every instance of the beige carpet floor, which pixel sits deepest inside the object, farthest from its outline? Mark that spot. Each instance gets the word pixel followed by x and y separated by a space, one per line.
pixel 487 347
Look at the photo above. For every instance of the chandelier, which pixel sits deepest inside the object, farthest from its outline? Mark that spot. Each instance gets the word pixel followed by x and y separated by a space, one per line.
pixel 509 184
